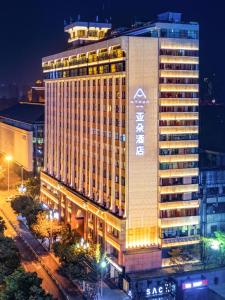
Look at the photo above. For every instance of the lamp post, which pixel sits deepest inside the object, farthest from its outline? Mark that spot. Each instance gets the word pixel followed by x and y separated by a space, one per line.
pixel 103 265
pixel 8 158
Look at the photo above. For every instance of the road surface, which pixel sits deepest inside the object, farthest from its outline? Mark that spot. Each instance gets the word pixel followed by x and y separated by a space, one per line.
pixel 34 256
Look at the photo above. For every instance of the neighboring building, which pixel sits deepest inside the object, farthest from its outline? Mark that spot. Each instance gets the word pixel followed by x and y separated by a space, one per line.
pixel 212 191
pixel 37 93
pixel 22 135
pixel 212 188
pixel 121 155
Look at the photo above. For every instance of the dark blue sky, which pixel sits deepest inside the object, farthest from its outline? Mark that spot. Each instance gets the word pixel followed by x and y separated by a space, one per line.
pixel 31 29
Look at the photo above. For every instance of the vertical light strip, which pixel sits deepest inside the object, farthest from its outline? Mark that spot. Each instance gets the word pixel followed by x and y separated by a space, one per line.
pixel 91 140
pixel 81 184
pixel 101 156
pixel 72 133
pixel 113 149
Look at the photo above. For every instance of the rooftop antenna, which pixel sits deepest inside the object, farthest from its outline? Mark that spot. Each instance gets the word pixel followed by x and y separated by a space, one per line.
pixel 97 19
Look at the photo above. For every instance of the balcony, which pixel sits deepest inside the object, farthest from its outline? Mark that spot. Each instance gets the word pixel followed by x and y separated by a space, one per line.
pixel 179 102
pixel 176 189
pixel 176 222
pixel 179 73
pixel 179 116
pixel 178 129
pixel 178 173
pixel 192 88
pixel 169 59
pixel 178 158
pixel 178 144
pixel 179 204
pixel 180 241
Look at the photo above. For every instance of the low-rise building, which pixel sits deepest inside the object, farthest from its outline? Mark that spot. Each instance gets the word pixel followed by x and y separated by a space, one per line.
pixel 22 135
pixel 212 192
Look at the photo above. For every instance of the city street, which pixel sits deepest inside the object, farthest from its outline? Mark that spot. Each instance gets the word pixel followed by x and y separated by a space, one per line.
pixel 34 257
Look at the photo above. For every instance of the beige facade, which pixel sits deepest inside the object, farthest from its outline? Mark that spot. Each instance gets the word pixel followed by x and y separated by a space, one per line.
pixel 121 145
pixel 18 143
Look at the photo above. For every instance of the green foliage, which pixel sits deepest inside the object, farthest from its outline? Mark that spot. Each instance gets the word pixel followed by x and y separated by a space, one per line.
pixel 22 285
pixel 33 187
pixel 9 257
pixel 44 227
pixel 2 226
pixel 78 262
pixel 27 207
pixel 69 236
pixel 211 255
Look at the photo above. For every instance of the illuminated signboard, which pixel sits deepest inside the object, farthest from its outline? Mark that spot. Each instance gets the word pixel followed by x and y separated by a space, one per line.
pixel 166 288
pixel 140 100
pixel 194 284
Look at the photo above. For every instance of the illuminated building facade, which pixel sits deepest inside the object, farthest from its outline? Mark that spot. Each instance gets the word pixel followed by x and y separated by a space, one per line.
pixel 121 155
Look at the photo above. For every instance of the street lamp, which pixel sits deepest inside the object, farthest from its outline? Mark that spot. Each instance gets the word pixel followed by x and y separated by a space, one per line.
pixel 215 245
pixel 22 188
pixel 8 158
pixel 103 265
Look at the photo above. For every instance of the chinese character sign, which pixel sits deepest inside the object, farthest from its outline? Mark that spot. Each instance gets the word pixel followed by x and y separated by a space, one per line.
pixel 140 138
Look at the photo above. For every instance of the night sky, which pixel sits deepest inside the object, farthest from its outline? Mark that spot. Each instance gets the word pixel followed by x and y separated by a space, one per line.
pixel 32 29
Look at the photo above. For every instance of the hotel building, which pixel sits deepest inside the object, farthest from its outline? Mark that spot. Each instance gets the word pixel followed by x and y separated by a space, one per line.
pixel 121 130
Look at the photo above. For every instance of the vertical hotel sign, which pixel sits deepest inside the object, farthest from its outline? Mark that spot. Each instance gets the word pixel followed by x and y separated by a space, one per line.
pixel 140 100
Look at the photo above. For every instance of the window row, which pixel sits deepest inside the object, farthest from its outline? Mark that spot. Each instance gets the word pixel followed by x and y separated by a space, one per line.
pixel 174 66
pixel 179 213
pixel 179 165
pixel 179 95
pixel 178 123
pixel 85 71
pixel 178 109
pixel 179 52
pixel 169 80
pixel 178 181
pixel 179 197
pixel 178 151
pixel 178 137
pixel 180 231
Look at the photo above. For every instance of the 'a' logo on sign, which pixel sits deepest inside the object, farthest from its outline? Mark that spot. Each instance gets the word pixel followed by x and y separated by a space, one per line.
pixel 140 98
pixel 139 95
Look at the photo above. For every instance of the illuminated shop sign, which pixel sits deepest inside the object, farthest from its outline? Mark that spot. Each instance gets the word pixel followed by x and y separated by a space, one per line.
pixel 164 289
pixel 140 100
pixel 194 284
pixel 167 288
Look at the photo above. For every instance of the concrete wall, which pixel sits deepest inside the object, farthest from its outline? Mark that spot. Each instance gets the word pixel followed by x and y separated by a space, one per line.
pixel 18 143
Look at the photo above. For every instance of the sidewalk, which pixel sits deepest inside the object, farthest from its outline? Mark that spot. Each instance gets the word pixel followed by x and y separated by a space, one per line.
pixel 113 294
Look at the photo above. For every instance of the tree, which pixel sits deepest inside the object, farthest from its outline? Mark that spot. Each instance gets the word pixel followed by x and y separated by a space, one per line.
pixel 214 249
pixel 33 187
pixel 79 262
pixel 27 207
pixel 9 257
pixel 2 226
pixel 45 227
pixel 23 285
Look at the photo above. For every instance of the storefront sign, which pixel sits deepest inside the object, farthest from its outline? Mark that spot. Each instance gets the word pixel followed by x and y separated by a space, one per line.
pixel 165 288
pixel 194 284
